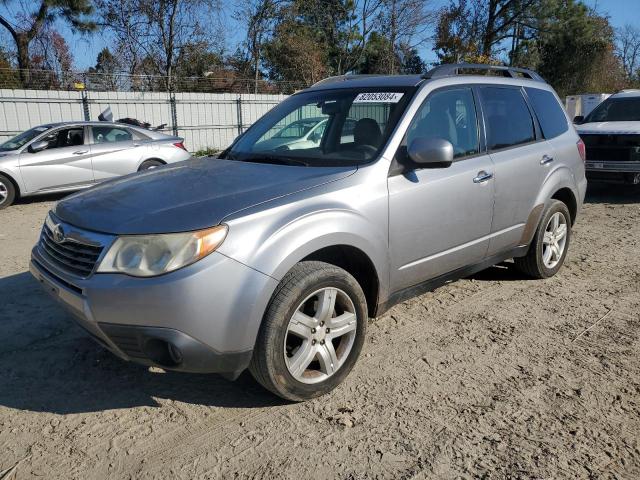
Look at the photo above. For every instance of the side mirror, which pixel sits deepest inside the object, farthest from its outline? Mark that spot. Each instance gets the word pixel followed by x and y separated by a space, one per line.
pixel 431 152
pixel 38 146
pixel 578 119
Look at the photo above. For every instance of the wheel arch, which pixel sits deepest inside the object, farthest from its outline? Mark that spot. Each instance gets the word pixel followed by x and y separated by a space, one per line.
pixel 358 264
pixel 155 159
pixel 566 196
pixel 560 185
pixel 13 181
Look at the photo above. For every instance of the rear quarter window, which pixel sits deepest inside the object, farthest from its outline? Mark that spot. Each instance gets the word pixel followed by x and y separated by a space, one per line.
pixel 549 112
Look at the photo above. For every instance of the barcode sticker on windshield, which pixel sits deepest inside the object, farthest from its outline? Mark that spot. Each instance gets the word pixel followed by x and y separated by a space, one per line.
pixel 378 97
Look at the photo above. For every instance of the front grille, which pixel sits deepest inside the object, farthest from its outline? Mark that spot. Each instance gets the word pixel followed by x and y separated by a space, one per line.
pixel 70 255
pixel 612 148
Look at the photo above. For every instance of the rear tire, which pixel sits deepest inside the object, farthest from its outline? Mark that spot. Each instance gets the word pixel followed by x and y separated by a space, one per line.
pixel 550 243
pixel 312 332
pixel 149 164
pixel 7 192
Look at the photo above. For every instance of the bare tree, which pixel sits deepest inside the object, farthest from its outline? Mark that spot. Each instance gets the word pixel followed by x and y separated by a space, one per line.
pixel 406 24
pixel 361 15
pixel 152 33
pixel 628 49
pixel 130 32
pixel 259 16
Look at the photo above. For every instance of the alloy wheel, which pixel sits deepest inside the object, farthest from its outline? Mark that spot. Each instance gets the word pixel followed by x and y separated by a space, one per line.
pixel 320 335
pixel 554 240
pixel 4 193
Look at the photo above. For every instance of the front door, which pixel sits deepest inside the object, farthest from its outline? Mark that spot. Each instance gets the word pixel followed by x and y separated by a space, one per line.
pixel 65 163
pixel 440 218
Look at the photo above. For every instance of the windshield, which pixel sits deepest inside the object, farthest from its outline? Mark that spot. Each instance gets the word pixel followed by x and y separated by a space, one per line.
pixel 342 127
pixel 616 110
pixel 22 139
pixel 298 129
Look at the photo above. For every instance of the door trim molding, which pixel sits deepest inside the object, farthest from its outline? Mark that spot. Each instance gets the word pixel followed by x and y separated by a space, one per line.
pixel 433 283
pixel 459 247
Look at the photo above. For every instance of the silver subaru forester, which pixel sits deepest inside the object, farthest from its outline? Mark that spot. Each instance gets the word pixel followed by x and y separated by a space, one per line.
pixel 272 258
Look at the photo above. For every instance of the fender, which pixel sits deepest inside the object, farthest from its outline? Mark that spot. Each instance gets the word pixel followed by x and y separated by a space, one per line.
pixel 8 169
pixel 273 240
pixel 557 179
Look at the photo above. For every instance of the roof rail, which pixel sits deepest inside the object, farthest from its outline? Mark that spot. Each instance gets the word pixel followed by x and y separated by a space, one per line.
pixel 334 79
pixel 346 77
pixel 452 69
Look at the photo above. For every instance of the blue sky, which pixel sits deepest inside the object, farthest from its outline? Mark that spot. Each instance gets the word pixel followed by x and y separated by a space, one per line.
pixel 85 49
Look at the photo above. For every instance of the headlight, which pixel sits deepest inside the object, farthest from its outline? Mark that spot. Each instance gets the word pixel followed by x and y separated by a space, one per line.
pixel 151 255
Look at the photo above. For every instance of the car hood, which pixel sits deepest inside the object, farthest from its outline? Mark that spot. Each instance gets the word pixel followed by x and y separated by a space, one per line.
pixel 187 196
pixel 8 153
pixel 609 128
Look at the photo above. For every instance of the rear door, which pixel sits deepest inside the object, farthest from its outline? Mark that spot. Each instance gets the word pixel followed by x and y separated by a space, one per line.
pixel 115 151
pixel 440 218
pixel 521 158
pixel 65 163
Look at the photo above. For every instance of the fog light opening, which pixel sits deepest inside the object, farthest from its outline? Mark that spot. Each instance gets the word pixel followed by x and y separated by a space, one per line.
pixel 163 353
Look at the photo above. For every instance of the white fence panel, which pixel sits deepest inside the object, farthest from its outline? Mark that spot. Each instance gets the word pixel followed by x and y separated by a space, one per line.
pixel 205 120
pixel 145 106
pixel 23 109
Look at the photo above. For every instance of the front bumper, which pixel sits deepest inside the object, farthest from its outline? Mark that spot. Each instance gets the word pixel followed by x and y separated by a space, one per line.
pixel 595 166
pixel 615 172
pixel 203 318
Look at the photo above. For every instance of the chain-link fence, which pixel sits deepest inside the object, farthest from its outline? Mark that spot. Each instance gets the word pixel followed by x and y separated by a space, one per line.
pixel 209 112
pixel 215 82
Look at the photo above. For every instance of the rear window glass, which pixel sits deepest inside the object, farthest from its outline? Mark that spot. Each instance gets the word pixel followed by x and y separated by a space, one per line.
pixel 549 112
pixel 507 117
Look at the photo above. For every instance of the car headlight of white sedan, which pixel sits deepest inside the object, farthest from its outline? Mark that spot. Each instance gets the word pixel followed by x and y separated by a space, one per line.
pixel 152 255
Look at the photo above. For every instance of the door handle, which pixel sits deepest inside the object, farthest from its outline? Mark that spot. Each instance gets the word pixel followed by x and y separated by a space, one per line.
pixel 80 152
pixel 546 159
pixel 482 177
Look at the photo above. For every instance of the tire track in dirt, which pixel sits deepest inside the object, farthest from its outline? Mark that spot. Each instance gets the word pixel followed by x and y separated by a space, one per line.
pixel 193 443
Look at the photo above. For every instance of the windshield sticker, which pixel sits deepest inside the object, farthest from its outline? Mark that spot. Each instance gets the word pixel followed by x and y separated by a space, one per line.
pixel 378 97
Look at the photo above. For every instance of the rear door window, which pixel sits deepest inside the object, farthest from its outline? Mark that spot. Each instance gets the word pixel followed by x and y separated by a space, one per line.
pixel 111 134
pixel 549 112
pixel 507 117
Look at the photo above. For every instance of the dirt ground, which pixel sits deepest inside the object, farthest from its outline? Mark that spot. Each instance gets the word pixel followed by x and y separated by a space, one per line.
pixel 494 376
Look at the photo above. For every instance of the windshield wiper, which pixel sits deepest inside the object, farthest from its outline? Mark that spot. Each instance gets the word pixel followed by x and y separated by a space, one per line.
pixel 275 160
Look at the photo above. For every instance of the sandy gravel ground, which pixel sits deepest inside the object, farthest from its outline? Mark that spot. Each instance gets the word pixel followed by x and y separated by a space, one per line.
pixel 489 377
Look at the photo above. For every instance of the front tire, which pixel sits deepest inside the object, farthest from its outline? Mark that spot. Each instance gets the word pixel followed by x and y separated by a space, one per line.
pixel 7 192
pixel 550 244
pixel 312 332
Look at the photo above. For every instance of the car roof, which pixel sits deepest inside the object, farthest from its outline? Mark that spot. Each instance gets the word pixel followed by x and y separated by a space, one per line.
pixel 505 75
pixel 631 93
pixel 367 81
pixel 149 133
pixel 84 122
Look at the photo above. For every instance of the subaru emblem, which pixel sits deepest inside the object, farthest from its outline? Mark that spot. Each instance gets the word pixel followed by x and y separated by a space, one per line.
pixel 58 234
